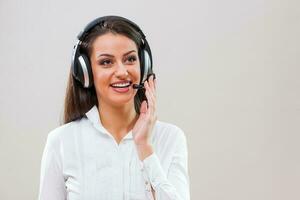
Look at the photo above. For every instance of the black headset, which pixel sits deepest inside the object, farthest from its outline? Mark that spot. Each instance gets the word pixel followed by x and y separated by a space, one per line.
pixel 81 67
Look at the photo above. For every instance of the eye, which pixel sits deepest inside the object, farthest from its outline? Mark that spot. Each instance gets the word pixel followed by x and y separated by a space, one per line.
pixel 105 62
pixel 131 59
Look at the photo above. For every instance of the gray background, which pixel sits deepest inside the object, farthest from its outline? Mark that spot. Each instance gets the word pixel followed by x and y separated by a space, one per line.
pixel 228 75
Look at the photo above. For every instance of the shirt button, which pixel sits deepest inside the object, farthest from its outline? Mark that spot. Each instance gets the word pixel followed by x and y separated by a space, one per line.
pixel 146 182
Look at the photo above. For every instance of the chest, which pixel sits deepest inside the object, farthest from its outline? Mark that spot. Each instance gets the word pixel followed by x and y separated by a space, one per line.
pixel 104 170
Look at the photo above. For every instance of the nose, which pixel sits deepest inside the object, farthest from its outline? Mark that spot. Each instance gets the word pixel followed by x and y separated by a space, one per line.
pixel 121 71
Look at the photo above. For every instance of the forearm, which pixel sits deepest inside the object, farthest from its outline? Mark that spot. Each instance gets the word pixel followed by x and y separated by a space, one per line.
pixel 144 150
pixel 176 185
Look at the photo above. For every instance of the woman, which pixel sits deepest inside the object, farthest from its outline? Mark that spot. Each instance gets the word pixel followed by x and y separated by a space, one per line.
pixel 111 145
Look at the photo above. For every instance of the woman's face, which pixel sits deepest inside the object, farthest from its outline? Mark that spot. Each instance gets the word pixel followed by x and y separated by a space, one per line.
pixel 115 66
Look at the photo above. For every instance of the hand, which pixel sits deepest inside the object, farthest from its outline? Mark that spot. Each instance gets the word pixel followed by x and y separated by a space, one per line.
pixel 143 127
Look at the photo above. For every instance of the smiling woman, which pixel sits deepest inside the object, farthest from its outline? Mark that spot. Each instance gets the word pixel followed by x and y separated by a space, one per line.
pixel 115 67
pixel 111 145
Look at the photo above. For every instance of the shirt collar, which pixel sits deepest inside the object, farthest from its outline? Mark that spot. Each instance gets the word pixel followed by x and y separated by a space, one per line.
pixel 93 116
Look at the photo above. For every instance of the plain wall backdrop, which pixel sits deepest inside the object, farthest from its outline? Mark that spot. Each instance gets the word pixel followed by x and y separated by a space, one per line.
pixel 228 75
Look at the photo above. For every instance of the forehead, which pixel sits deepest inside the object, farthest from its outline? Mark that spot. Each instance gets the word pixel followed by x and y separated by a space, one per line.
pixel 113 43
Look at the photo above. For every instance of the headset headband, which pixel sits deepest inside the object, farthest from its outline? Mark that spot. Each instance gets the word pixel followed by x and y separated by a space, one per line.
pixel 100 20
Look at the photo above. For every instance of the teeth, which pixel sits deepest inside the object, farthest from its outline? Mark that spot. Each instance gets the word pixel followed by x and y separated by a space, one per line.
pixel 121 84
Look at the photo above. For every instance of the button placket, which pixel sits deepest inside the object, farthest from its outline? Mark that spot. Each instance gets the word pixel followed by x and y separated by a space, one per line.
pixel 123 167
pixel 126 174
pixel 148 190
pixel 147 182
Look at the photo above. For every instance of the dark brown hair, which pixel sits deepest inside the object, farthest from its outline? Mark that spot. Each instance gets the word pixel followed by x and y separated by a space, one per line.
pixel 79 100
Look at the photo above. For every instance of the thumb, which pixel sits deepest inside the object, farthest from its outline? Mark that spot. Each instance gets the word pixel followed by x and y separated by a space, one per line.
pixel 143 108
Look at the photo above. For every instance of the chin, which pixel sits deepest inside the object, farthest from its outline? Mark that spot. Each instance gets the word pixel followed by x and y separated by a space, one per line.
pixel 122 100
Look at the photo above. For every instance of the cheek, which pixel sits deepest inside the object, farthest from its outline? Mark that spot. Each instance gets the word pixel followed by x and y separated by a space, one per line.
pixel 101 78
pixel 137 71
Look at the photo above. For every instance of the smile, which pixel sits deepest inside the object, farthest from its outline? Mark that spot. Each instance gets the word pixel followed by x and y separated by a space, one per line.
pixel 121 84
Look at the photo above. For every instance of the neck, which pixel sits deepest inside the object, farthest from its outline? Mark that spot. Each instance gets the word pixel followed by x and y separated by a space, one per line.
pixel 118 120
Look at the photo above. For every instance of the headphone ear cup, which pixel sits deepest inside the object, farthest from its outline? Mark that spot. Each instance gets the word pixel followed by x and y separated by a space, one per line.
pixel 146 64
pixel 142 64
pixel 84 71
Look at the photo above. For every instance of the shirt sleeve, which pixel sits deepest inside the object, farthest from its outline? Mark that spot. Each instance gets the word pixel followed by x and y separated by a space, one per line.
pixel 173 185
pixel 52 185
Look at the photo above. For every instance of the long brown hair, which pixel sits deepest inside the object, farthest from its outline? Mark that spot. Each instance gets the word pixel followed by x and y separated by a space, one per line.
pixel 79 100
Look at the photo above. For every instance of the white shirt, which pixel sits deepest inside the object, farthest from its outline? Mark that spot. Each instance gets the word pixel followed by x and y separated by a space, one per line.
pixel 82 161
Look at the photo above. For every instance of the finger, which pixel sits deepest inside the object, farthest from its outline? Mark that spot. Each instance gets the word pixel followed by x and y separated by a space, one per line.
pixel 152 93
pixel 151 84
pixel 151 107
pixel 150 80
pixel 150 98
pixel 143 108
pixel 148 95
pixel 151 113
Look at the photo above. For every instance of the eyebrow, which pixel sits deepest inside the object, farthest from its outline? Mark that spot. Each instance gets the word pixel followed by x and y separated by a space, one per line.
pixel 109 55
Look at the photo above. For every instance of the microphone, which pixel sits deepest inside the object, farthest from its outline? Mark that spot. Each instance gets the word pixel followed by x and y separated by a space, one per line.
pixel 140 86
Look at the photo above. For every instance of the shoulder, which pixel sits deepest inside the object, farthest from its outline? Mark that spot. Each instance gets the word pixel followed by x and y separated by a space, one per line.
pixel 168 141
pixel 167 132
pixel 64 132
pixel 168 128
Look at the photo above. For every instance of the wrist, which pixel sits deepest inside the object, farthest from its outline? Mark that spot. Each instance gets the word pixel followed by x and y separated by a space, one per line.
pixel 144 150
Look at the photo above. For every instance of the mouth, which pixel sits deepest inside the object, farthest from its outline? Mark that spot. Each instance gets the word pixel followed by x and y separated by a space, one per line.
pixel 121 84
